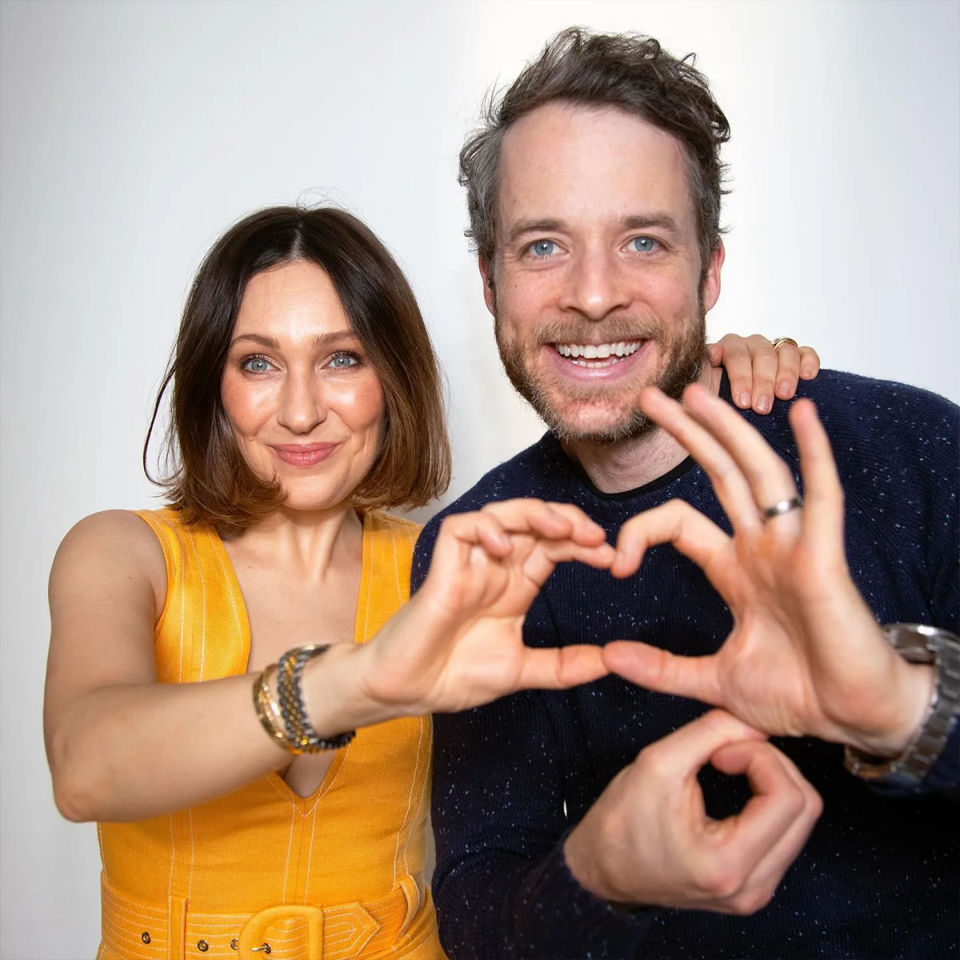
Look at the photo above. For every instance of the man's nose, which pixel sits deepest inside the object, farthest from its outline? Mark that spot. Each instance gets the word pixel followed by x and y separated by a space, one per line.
pixel 595 284
pixel 302 405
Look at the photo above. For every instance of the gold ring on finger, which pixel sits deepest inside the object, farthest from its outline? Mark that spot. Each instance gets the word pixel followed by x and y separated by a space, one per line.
pixel 780 340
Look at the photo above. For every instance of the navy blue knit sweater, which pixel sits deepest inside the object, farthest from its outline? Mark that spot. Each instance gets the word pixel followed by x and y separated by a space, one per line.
pixel 879 875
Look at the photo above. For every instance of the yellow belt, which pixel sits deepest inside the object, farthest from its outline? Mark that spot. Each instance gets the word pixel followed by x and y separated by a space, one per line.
pixel 138 930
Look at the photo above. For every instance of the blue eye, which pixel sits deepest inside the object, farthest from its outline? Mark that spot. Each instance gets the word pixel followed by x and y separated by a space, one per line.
pixel 255 364
pixel 644 244
pixel 543 248
pixel 343 361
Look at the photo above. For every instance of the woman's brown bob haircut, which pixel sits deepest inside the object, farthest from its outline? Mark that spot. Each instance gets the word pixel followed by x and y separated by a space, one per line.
pixel 207 478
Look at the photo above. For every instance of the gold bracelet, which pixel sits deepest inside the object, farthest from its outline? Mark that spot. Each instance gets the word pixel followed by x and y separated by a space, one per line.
pixel 268 711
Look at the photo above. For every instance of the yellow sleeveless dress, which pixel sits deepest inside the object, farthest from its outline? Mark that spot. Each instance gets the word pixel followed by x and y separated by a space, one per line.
pixel 262 871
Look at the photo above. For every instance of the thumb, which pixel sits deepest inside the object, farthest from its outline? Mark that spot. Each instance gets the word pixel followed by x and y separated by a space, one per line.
pixel 665 672
pixel 687 749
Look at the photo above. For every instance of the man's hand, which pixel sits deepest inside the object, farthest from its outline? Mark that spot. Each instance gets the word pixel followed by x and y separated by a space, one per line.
pixel 758 371
pixel 648 841
pixel 806 655
pixel 459 642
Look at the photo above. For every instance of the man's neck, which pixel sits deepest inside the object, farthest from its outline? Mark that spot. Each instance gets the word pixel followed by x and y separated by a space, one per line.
pixel 637 461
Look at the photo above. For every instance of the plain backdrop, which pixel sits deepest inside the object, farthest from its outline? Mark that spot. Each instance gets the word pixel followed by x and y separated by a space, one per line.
pixel 133 133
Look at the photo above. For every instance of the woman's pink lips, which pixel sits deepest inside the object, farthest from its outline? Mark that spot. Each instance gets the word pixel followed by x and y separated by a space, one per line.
pixel 304 454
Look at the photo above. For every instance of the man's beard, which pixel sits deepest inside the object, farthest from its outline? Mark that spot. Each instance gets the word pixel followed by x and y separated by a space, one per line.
pixel 681 366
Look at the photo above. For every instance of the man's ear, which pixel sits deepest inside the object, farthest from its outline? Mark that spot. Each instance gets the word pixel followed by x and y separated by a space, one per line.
pixel 711 281
pixel 489 292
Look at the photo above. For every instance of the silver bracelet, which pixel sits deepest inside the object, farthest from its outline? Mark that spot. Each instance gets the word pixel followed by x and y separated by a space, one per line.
pixel 301 737
pixel 918 644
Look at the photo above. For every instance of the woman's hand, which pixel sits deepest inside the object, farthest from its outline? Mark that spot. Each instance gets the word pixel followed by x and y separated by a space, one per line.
pixel 758 371
pixel 806 655
pixel 459 642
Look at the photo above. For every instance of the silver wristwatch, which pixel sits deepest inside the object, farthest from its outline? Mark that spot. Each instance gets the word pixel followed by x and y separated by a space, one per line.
pixel 918 644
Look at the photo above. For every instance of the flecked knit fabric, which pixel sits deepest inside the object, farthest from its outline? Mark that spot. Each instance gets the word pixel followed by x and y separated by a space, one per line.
pixel 878 876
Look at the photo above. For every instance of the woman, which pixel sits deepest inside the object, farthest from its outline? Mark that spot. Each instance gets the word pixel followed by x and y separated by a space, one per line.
pixel 305 399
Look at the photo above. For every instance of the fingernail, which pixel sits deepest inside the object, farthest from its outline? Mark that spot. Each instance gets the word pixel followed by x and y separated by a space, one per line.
pixel 783 388
pixel 763 404
pixel 743 400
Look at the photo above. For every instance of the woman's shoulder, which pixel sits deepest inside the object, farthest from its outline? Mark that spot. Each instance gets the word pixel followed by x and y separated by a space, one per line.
pixel 113 529
pixel 380 521
pixel 110 543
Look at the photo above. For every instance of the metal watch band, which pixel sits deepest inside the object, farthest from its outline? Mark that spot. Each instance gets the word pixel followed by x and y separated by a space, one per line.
pixel 301 735
pixel 918 644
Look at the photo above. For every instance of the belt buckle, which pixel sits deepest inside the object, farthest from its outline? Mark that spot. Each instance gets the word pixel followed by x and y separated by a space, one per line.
pixel 252 942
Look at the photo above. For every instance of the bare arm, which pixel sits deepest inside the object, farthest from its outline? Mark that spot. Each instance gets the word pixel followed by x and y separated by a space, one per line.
pixel 120 745
pixel 458 644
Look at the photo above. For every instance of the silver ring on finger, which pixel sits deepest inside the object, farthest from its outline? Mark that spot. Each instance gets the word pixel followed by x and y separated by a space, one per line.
pixel 781 507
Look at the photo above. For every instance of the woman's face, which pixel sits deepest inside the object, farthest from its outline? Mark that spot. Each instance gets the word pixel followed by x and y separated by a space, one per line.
pixel 304 403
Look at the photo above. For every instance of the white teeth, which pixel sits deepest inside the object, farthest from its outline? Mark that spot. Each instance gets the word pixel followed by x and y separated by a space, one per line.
pixel 599 351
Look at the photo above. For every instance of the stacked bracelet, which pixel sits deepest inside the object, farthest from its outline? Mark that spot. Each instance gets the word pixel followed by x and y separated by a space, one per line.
pixel 286 721
pixel 267 710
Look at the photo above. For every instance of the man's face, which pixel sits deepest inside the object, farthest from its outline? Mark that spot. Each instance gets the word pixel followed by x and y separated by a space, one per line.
pixel 596 277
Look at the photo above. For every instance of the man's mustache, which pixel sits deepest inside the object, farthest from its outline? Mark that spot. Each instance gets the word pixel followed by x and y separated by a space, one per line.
pixel 603 331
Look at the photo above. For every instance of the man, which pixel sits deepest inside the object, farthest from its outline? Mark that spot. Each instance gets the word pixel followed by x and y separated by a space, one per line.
pixel 572 824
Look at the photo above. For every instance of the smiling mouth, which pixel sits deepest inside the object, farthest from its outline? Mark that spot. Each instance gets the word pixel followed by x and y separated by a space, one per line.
pixel 597 354
pixel 304 454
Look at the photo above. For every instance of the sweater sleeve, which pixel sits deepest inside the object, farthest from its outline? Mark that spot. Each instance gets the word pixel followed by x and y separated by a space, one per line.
pixel 502 885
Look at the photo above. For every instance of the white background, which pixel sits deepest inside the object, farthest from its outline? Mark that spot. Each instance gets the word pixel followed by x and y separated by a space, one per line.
pixel 133 133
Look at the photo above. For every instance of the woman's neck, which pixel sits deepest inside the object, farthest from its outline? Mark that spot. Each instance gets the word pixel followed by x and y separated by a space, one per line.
pixel 305 544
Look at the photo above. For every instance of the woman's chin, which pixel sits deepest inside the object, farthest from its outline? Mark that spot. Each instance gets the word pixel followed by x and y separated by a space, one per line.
pixel 314 501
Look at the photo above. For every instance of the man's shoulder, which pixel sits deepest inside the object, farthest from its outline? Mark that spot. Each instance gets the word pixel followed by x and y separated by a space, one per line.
pixel 863 414
pixel 524 475
pixel 843 395
pixel 520 476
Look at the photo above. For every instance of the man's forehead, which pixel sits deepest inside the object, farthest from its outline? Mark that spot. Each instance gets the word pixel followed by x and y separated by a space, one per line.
pixel 564 160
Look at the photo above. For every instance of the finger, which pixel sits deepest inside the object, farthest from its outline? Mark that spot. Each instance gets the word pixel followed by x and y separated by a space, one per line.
pixel 563 551
pixel 809 363
pixel 585 530
pixel 549 520
pixel 714 354
pixel 561 668
pixel 780 807
pixel 769 478
pixel 788 370
pixel 656 669
pixel 823 492
pixel 526 515
pixel 731 486
pixel 548 553
pixel 673 522
pixel 462 531
pixel 682 753
pixel 763 372
pixel 735 356
pixel 774 862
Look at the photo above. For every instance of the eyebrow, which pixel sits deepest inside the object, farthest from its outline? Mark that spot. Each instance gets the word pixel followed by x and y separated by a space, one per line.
pixel 662 221
pixel 322 340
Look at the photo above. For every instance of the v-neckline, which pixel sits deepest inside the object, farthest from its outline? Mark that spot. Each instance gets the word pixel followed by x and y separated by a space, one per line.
pixel 359 636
